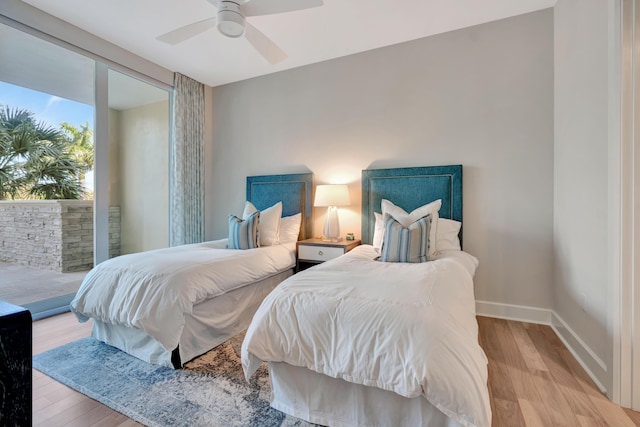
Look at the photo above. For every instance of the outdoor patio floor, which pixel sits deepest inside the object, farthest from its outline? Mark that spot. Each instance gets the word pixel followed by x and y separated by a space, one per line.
pixel 22 285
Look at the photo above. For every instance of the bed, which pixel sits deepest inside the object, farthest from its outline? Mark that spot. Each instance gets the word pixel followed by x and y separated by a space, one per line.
pixel 170 305
pixel 360 342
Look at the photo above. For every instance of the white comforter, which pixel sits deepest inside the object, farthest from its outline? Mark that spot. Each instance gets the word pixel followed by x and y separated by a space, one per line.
pixel 155 290
pixel 407 328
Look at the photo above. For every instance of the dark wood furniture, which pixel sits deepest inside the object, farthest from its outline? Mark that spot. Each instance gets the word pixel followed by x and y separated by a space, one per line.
pixel 15 366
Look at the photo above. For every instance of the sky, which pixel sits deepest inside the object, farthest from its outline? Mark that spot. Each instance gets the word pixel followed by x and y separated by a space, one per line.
pixel 49 109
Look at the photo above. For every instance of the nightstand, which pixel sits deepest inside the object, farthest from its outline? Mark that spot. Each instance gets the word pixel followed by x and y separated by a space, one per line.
pixel 316 251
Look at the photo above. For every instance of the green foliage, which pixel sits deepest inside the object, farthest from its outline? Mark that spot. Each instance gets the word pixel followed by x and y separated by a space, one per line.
pixel 39 161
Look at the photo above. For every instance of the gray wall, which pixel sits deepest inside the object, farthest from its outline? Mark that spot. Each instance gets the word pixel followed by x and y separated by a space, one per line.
pixel 581 175
pixel 480 96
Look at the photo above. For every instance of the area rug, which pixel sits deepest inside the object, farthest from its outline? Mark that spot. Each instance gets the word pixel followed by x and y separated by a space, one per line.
pixel 209 391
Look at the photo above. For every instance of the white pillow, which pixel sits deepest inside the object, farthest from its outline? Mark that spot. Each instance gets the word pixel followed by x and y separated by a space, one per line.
pixel 378 231
pixel 290 228
pixel 447 235
pixel 269 225
pixel 405 219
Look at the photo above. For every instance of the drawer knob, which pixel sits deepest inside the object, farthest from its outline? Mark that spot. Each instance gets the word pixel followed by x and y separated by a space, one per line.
pixel 320 253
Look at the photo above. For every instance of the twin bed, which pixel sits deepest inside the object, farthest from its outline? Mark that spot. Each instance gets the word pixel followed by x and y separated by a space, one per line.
pixel 353 341
pixel 170 305
pixel 360 342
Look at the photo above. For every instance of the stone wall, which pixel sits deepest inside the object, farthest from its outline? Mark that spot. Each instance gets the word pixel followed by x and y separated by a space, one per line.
pixel 77 235
pixel 53 234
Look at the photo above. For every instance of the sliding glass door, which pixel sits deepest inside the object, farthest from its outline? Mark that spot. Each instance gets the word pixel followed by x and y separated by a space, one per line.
pixel 103 193
pixel 46 168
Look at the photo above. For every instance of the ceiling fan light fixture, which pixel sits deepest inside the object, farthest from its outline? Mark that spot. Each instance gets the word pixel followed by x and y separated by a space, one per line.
pixel 230 19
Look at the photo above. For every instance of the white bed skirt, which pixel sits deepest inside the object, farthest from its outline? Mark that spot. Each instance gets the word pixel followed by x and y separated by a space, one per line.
pixel 300 392
pixel 213 322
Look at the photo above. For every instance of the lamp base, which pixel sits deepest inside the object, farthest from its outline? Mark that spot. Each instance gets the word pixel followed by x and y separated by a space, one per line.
pixel 332 226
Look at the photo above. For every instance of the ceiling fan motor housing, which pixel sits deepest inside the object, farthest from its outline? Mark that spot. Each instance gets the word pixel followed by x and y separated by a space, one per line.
pixel 230 19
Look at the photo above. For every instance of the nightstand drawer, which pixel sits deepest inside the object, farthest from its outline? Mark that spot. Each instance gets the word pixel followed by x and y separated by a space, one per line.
pixel 318 253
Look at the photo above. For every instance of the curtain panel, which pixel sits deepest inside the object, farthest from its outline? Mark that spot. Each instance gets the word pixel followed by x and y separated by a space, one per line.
pixel 187 164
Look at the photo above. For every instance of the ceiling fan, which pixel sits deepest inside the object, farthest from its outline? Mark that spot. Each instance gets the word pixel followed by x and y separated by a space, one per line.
pixel 231 22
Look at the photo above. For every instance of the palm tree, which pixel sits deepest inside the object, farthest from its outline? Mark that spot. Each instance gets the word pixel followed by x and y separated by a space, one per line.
pixel 80 141
pixel 36 160
pixel 7 168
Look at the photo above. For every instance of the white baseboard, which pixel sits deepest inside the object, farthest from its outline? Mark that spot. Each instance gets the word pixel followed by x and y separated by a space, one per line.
pixel 590 362
pixel 520 313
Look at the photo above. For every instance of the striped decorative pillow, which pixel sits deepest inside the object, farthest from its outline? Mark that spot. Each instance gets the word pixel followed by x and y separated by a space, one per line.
pixel 406 219
pixel 405 244
pixel 243 234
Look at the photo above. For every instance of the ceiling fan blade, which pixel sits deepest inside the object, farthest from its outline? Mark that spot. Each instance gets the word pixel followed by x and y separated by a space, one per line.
pixel 183 33
pixel 268 7
pixel 263 44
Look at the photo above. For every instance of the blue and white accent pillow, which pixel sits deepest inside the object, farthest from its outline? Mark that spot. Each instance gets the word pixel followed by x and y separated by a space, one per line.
pixel 406 219
pixel 405 244
pixel 243 234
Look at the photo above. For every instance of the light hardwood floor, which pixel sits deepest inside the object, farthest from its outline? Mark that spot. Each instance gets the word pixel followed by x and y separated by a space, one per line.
pixel 533 381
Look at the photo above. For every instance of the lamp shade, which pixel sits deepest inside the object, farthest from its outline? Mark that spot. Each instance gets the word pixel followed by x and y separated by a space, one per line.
pixel 332 195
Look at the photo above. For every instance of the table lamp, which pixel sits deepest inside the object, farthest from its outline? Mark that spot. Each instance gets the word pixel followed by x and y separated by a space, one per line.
pixel 332 196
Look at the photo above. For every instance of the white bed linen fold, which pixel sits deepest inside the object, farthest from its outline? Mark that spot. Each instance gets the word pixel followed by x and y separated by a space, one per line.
pixel 154 290
pixel 406 328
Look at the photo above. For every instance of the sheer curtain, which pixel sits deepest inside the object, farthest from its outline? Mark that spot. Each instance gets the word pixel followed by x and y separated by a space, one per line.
pixel 187 166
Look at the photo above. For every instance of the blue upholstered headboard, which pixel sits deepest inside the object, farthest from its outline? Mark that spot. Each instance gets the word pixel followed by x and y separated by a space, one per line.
pixel 410 188
pixel 295 191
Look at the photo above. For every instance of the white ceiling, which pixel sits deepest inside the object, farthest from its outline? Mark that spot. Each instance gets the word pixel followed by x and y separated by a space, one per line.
pixel 338 28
